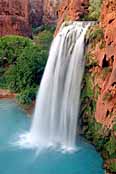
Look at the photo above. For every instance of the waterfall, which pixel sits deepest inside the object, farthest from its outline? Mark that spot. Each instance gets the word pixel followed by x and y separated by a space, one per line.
pixel 57 105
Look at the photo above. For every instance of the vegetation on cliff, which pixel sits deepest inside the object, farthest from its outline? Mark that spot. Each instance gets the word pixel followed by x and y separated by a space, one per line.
pixel 22 62
pixel 102 136
pixel 94 10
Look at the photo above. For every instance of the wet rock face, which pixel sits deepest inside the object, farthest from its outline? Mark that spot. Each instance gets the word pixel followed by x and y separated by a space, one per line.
pixel 14 17
pixel 71 10
pixel 106 104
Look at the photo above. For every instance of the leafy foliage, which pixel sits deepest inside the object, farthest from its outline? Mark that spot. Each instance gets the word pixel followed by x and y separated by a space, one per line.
pixel 90 60
pixel 94 10
pixel 95 34
pixel 43 39
pixel 112 167
pixel 27 96
pixel 11 48
pixel 110 146
pixel 22 62
pixel 27 70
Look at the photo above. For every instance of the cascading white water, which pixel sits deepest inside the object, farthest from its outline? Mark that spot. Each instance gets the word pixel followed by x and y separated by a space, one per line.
pixel 57 106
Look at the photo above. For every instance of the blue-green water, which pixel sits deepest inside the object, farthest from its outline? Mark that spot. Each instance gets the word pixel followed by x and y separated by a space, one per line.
pixel 13 160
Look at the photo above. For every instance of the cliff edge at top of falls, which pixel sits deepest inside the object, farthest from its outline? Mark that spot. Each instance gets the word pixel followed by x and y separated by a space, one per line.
pixel 71 10
pixel 14 17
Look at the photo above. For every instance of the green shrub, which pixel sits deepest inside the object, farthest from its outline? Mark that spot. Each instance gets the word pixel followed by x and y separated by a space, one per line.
pixel 112 166
pixel 110 146
pixel 22 62
pixel 96 34
pixel 90 60
pixel 89 85
pixel 27 70
pixel 94 10
pixel 43 39
pixel 27 96
pixel 97 91
pixel 11 48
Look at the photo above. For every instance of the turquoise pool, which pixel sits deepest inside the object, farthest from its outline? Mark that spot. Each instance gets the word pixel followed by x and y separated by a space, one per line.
pixel 13 121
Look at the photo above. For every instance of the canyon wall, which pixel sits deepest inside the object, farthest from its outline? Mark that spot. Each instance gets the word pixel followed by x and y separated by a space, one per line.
pixel 106 56
pixel 17 15
pixel 44 11
pixel 14 17
pixel 57 11
pixel 98 98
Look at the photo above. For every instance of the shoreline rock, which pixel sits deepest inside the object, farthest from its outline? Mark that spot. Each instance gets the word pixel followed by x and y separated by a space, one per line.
pixel 4 94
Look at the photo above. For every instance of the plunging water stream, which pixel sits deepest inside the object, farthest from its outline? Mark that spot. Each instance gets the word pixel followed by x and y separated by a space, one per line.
pixel 55 117
pixel 57 104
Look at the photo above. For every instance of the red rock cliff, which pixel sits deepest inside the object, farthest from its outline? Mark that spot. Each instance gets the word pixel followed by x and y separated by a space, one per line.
pixel 106 104
pixel 71 10
pixel 14 17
